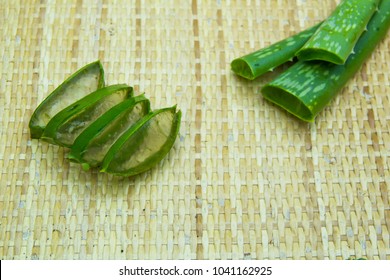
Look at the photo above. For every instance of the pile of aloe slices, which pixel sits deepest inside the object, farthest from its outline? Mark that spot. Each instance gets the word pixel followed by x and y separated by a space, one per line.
pixel 105 127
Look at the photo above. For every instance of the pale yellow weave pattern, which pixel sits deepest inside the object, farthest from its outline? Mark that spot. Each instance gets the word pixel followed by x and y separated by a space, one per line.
pixel 244 180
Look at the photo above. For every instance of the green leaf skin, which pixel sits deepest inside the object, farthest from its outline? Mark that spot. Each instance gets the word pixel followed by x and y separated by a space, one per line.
pixel 127 156
pixel 93 143
pixel 84 81
pixel 255 64
pixel 335 39
pixel 85 107
pixel 308 86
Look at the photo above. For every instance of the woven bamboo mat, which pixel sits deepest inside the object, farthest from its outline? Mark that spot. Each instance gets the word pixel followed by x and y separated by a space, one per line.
pixel 245 180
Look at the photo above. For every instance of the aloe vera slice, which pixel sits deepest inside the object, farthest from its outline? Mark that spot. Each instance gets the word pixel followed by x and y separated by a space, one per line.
pixel 308 86
pixel 86 80
pixel 144 144
pixel 93 143
pixel 65 126
pixel 255 64
pixel 335 39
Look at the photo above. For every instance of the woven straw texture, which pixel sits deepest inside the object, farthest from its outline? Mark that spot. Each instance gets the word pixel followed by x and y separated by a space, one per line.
pixel 245 180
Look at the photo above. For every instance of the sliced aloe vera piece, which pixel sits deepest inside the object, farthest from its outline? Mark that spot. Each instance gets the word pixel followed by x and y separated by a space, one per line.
pixel 335 39
pixel 144 144
pixel 257 63
pixel 93 143
pixel 86 80
pixel 65 126
pixel 308 86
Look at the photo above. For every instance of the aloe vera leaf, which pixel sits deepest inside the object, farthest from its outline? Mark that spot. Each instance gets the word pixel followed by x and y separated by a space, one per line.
pixel 308 86
pixel 92 144
pixel 84 81
pixel 144 144
pixel 335 39
pixel 86 106
pixel 255 64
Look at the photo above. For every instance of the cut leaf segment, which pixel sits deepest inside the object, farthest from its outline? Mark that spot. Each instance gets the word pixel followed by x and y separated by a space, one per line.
pixel 65 126
pixel 144 144
pixel 93 143
pixel 335 39
pixel 255 64
pixel 308 86
pixel 84 81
